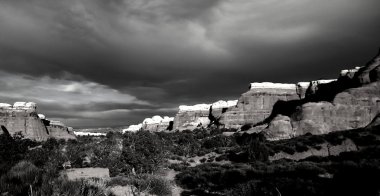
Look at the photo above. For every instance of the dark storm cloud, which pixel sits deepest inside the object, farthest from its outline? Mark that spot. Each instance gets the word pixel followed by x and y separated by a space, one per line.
pixel 141 58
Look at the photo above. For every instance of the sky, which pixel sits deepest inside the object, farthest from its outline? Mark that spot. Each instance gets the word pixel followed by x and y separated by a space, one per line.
pixel 97 63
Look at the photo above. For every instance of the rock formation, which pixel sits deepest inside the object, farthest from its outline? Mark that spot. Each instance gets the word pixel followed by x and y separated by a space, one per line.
pixel 191 117
pixel 154 124
pixel 201 115
pixel 287 110
pixel 22 117
pixel 351 102
pixel 255 106
pixel 60 131
pixel 81 133
pixel 133 128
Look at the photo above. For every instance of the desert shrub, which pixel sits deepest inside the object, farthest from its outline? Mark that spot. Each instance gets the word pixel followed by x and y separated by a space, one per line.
pixel 178 166
pixel 85 187
pixel 301 147
pixel 144 183
pixel 20 179
pixel 142 151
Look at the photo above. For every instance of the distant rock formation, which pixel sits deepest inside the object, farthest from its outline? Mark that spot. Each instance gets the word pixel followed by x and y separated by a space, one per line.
pixel 284 111
pixel 59 130
pixel 191 117
pixel 154 124
pixel 22 117
pixel 81 133
pixel 133 128
pixel 201 115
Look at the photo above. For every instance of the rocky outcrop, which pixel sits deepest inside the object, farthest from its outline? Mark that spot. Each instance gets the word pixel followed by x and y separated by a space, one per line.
pixel 133 128
pixel 191 117
pixel 352 103
pixel 58 130
pixel 256 105
pixel 22 117
pixel 154 124
pixel 201 115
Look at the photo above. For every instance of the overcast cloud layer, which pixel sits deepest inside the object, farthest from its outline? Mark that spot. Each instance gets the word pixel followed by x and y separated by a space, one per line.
pixel 115 62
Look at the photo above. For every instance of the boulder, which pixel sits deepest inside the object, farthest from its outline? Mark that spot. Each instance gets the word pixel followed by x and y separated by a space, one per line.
pixel 281 128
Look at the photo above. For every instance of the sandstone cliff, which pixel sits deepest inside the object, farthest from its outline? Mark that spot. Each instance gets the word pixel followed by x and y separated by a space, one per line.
pixel 257 106
pixel 201 115
pixel 22 117
pixel 352 101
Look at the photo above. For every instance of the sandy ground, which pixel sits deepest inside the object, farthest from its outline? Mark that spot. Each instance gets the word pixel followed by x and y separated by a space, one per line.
pixel 90 172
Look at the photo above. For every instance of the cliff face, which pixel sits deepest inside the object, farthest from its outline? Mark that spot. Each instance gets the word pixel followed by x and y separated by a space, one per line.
pixel 191 117
pixel 351 102
pixel 22 117
pixel 256 105
pixel 59 131
pixel 201 115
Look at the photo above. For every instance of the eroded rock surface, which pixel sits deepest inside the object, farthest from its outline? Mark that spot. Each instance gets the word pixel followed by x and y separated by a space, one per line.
pixel 22 117
pixel 154 124
pixel 256 105
pixel 355 104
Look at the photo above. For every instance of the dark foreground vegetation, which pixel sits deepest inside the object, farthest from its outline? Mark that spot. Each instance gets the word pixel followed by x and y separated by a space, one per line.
pixel 207 163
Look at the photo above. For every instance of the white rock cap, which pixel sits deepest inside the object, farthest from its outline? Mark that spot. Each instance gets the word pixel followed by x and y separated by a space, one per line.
pixel 198 107
pixel 24 105
pixel 5 105
pixel 167 119
pixel 79 133
pixel 347 71
pixel 303 84
pixel 133 128
pixel 41 116
pixel 270 85
pixel 224 104
pixel 325 81
pixel 56 122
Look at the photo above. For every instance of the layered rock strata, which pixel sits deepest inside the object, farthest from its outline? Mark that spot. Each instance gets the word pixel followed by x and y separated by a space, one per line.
pixel 191 117
pixel 22 117
pixel 352 102
pixel 201 115
pixel 256 105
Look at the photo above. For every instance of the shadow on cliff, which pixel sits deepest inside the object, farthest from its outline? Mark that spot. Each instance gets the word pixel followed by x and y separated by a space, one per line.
pixel 5 131
pixel 327 92
pixel 324 92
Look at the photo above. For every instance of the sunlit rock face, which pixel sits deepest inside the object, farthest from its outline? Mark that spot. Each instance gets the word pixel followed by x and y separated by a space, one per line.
pixel 81 133
pixel 154 124
pixel 22 117
pixel 133 128
pixel 59 130
pixel 255 105
pixel 191 117
pixel 218 108
pixel 355 104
